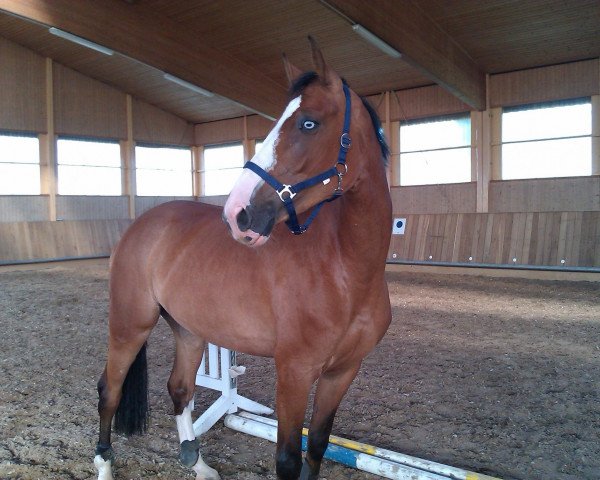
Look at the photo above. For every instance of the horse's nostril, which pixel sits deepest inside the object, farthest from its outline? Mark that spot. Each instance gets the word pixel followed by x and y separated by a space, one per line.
pixel 243 220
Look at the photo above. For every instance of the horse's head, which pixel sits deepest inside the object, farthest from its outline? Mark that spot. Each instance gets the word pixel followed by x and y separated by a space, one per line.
pixel 304 143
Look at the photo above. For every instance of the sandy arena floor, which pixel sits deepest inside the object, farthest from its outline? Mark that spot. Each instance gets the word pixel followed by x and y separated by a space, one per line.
pixel 496 376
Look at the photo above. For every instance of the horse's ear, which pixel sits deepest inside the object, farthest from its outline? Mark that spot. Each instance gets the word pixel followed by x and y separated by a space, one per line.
pixel 327 75
pixel 292 71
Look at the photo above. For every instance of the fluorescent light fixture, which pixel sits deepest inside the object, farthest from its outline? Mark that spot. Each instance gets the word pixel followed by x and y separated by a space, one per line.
pixel 376 41
pixel 80 41
pixel 188 85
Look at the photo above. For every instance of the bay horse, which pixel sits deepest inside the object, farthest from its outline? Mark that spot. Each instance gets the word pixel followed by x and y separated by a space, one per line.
pixel 234 277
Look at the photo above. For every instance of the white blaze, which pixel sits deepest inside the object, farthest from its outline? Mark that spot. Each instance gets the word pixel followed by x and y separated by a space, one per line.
pixel 266 157
pixel 240 195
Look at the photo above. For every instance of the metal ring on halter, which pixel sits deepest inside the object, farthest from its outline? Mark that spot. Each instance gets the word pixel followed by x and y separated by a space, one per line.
pixel 341 173
pixel 345 141
pixel 286 189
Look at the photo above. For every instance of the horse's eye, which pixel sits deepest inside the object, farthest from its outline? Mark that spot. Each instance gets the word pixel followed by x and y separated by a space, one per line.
pixel 308 125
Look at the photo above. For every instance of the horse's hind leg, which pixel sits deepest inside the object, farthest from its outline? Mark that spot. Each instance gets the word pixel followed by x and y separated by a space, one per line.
pixel 122 388
pixel 181 385
pixel 331 388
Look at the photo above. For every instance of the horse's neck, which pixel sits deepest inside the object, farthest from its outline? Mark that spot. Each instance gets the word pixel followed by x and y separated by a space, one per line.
pixel 365 218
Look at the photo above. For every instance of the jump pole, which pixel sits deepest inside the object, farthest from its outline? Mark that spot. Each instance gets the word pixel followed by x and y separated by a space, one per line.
pixel 379 461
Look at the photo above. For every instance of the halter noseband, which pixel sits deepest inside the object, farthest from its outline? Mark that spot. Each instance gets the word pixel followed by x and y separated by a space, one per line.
pixel 288 192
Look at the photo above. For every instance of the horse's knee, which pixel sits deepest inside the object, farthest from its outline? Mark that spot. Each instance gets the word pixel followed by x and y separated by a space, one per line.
pixel 288 464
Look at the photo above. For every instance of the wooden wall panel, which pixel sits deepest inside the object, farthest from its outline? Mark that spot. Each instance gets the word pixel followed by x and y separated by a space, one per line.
pixel 24 208
pixel 450 198
pixel 142 204
pixel 83 207
pixel 214 200
pixel 545 195
pixel 258 127
pixel 22 241
pixel 153 125
pixel 224 131
pixel 96 110
pixel 22 89
pixel 555 239
pixel 557 82
pixel 429 101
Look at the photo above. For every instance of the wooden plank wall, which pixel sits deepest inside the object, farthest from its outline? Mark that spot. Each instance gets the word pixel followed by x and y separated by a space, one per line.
pixel 545 194
pixel 23 208
pixel 556 82
pixel 454 197
pixel 22 89
pixel 95 110
pixel 22 241
pixel 85 207
pixel 153 125
pixel 143 204
pixel 532 238
pixel 420 102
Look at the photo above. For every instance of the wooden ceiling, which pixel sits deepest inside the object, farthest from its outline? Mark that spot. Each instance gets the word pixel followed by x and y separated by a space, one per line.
pixel 233 47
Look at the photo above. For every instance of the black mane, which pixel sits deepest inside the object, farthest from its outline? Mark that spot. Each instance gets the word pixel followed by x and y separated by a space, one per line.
pixel 308 78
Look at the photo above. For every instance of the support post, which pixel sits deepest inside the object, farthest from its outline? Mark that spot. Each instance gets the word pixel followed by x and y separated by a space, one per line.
pixel 128 180
pixel 221 375
pixel 48 161
pixel 595 134
pixel 200 175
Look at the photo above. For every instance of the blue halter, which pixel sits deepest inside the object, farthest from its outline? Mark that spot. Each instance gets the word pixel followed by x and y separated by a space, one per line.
pixel 288 192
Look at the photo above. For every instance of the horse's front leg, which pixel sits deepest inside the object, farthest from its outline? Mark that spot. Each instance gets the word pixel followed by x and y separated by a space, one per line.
pixel 331 388
pixel 294 381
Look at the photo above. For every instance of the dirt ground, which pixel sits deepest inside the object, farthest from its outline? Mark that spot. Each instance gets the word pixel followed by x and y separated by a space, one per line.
pixel 493 375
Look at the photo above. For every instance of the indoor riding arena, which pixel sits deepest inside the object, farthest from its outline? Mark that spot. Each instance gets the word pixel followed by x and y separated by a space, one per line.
pixel 490 367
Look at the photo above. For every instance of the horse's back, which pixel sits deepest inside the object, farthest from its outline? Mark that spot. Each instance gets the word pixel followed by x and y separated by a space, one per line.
pixel 157 231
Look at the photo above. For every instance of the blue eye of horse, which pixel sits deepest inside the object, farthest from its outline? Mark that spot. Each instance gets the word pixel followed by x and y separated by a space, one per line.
pixel 309 125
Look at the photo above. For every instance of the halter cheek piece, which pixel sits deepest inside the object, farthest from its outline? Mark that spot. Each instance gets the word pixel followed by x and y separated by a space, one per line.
pixel 288 192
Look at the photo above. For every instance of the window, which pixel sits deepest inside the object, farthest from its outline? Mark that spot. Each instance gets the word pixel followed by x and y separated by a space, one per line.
pixel 88 167
pixel 163 171
pixel 433 152
pixel 551 140
pixel 19 165
pixel 222 167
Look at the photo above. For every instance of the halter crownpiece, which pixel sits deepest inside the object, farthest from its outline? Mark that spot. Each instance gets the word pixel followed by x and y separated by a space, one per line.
pixel 288 192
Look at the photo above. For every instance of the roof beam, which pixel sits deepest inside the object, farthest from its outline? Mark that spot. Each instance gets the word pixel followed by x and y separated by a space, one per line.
pixel 423 44
pixel 159 42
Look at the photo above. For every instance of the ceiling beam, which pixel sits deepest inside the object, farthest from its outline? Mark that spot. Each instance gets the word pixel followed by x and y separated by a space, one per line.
pixel 423 44
pixel 159 42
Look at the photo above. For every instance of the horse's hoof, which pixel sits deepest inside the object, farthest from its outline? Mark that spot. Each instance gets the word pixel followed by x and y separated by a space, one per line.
pixel 188 454
pixel 204 472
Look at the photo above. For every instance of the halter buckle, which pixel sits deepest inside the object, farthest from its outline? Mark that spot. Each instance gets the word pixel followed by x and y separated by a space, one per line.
pixel 345 141
pixel 286 189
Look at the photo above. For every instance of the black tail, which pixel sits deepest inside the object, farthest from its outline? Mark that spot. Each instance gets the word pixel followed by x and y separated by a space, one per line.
pixel 131 417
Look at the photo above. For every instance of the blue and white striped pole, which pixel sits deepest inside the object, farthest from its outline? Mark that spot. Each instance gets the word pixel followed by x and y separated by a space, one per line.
pixel 382 462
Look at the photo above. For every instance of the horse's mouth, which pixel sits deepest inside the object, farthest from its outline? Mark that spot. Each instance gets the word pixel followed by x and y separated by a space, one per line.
pixel 253 239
